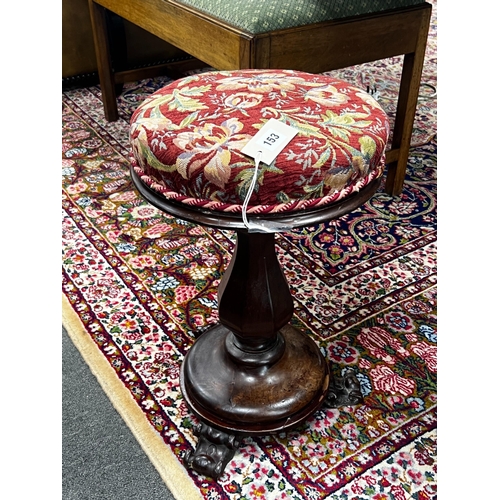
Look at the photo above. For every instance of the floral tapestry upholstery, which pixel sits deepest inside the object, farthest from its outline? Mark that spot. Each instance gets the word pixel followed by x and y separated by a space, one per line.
pixel 187 138
pixel 260 16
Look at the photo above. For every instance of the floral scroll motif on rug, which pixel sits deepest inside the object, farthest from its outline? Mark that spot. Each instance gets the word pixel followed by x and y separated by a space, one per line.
pixel 144 285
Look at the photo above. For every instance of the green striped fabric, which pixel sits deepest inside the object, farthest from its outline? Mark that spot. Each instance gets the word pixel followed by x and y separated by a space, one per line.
pixel 260 16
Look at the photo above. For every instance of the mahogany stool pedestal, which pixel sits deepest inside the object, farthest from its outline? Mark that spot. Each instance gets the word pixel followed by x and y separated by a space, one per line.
pixel 254 373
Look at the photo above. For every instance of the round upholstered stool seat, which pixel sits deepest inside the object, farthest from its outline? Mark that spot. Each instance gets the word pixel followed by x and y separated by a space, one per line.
pixel 187 140
pixel 253 373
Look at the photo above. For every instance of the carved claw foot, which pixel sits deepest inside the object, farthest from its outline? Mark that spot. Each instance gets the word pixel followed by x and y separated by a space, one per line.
pixel 213 452
pixel 344 391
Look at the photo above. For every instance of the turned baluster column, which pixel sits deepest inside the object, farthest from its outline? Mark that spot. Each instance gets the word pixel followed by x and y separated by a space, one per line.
pixel 254 300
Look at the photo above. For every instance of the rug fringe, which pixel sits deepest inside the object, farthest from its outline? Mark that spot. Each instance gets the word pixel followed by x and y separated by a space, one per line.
pixel 171 471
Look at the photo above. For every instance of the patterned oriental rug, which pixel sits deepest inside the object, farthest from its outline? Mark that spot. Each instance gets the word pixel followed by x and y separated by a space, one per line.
pixel 139 286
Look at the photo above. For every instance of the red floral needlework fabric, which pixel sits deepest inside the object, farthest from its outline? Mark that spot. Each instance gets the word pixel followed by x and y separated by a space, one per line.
pixel 187 138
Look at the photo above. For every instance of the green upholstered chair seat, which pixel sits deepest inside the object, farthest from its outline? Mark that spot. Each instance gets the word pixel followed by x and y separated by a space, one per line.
pixel 261 16
pixel 187 139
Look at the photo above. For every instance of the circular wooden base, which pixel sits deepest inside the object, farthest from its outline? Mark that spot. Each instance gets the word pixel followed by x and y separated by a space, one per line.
pixel 251 396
